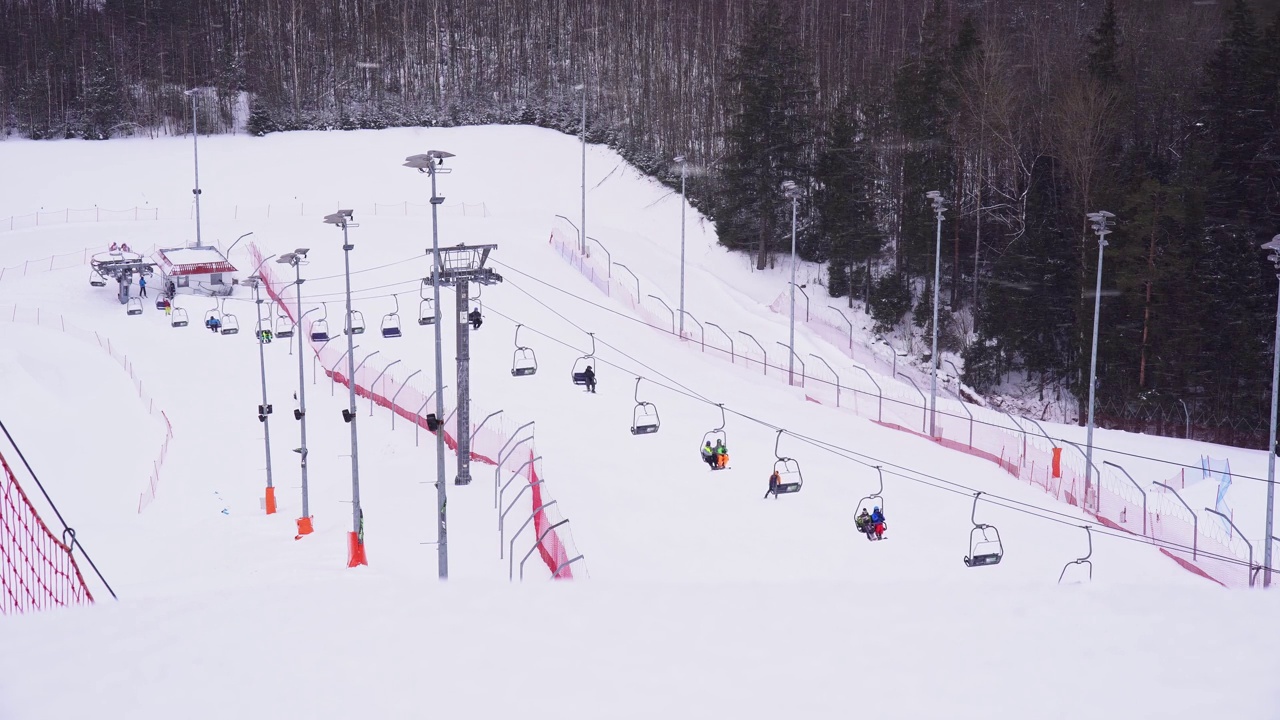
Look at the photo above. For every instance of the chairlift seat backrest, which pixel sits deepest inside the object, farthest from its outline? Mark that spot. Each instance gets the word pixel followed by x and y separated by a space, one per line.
pixel 579 378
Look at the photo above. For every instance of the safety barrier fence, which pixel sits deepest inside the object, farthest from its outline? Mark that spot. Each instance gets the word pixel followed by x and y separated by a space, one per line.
pixel 43 218
pixel 1018 445
pixel 215 211
pixel 37 569
pixel 411 398
pixel 37 317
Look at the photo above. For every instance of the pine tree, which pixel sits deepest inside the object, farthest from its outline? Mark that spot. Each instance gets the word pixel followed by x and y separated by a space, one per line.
pixel 1104 48
pixel 844 180
pixel 770 91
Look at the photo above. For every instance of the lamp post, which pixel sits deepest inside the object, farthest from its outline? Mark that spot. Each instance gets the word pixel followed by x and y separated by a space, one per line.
pixel 355 541
pixel 792 191
pixel 264 410
pixel 1274 248
pixel 432 163
pixel 195 148
pixel 683 166
pixel 582 133
pixel 1100 221
pixel 296 259
pixel 939 207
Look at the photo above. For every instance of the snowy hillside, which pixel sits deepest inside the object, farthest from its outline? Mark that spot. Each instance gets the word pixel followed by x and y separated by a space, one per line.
pixel 693 590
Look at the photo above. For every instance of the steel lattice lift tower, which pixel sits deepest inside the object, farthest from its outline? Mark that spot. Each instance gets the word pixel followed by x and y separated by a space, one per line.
pixel 460 266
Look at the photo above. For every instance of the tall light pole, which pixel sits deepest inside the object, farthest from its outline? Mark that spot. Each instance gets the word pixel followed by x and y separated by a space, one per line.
pixel 683 205
pixel 432 163
pixel 792 191
pixel 264 410
pixel 355 541
pixel 939 207
pixel 296 259
pixel 1100 221
pixel 582 238
pixel 195 147
pixel 1274 248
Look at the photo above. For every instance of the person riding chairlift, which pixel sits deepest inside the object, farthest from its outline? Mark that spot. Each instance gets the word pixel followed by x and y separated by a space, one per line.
pixel 722 455
pixel 709 455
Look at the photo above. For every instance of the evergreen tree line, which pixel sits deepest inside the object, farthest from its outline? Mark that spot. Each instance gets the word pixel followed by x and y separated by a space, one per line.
pixel 1024 114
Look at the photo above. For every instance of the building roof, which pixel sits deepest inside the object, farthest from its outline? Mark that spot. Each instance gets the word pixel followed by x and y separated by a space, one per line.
pixel 202 260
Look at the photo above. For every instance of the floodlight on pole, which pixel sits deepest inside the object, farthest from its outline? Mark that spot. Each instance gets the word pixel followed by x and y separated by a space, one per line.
pixel 264 410
pixel 1273 247
pixel 684 203
pixel 1101 227
pixel 355 540
pixel 432 163
pixel 582 236
pixel 792 191
pixel 195 148
pixel 296 258
pixel 939 207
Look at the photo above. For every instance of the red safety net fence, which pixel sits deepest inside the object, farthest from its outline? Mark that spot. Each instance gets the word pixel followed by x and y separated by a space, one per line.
pixel 37 569
pixel 1018 445
pixel 410 398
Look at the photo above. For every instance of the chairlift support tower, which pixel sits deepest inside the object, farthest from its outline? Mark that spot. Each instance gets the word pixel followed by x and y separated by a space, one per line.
pixel 460 266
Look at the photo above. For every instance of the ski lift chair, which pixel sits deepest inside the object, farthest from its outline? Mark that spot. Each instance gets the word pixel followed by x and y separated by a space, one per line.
pixel 391 321
pixel 96 279
pixel 230 326
pixel 644 419
pixel 320 327
pixel 524 361
pixel 875 499
pixel 985 547
pixel 1085 561
pixel 264 333
pixel 355 323
pixel 213 319
pixel 579 374
pixel 790 479
pixel 426 308
pixel 284 326
pixel 134 306
pixel 716 436
pixel 178 317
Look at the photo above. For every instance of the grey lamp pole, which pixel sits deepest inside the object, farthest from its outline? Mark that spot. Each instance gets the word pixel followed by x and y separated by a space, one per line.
pixel 264 410
pixel 295 259
pixel 1274 248
pixel 683 165
pixel 356 554
pixel 582 240
pixel 939 207
pixel 195 147
pixel 792 191
pixel 431 163
pixel 1099 220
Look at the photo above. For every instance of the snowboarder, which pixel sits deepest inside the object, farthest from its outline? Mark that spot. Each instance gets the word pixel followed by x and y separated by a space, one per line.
pixel 142 287
pixel 877 522
pixel 709 455
pixel 774 479
pixel 863 523
pixel 722 455
pixel 590 376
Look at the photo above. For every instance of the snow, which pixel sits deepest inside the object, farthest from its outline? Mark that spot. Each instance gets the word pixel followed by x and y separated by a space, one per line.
pixel 702 598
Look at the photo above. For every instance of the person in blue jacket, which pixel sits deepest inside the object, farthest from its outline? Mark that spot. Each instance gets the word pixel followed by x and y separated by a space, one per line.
pixel 877 521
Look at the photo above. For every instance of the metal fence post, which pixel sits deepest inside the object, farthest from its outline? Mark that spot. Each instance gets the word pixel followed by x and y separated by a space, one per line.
pixel 564 565
pixel 536 545
pixel 732 359
pixel 1195 520
pixel 848 322
pixel 1139 487
pixel 505 485
pixel 803 371
pixel 924 404
pixel 879 393
pixel 765 362
pixel 397 394
pixel 668 307
pixel 1242 537
pixel 503 516
pixel 833 372
pixel 512 542
pixel 375 382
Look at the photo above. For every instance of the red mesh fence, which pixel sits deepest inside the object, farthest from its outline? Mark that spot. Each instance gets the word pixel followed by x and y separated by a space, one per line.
pixel 412 400
pixel 37 570
pixel 1017 445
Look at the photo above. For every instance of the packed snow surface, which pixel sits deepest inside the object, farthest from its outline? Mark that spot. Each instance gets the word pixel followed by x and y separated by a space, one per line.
pixel 697 598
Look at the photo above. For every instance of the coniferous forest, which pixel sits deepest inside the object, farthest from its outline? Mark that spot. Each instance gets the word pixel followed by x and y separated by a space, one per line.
pixel 1025 114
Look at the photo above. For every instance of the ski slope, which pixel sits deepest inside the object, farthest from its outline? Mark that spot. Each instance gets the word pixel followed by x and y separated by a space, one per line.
pixel 697 586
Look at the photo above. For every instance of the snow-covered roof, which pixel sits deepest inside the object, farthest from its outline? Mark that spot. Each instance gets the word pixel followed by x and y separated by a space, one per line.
pixel 193 261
